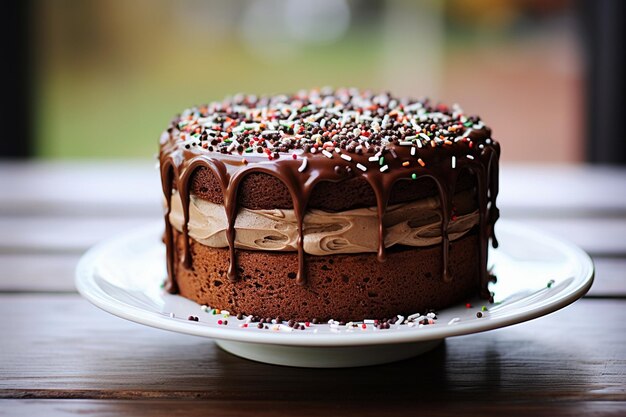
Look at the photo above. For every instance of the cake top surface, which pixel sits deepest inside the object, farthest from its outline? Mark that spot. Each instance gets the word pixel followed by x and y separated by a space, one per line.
pixel 322 121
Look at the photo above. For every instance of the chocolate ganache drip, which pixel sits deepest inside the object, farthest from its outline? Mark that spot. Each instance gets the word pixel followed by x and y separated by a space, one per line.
pixel 329 135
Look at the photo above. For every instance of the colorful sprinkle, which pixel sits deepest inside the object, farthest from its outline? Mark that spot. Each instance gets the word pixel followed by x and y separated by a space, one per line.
pixel 342 121
pixel 302 167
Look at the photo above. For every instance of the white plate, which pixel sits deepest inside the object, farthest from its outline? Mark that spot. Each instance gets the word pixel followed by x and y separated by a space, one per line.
pixel 124 275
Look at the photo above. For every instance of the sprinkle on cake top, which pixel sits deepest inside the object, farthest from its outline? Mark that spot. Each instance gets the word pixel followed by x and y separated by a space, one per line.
pixel 321 121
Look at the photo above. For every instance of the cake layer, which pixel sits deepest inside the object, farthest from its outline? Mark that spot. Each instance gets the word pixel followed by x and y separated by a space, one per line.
pixel 341 287
pixel 259 191
pixel 417 223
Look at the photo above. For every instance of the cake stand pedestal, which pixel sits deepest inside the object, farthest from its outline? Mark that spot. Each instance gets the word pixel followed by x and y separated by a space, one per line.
pixel 327 357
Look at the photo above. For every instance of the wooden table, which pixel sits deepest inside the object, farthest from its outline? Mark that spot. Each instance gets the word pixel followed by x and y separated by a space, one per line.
pixel 59 355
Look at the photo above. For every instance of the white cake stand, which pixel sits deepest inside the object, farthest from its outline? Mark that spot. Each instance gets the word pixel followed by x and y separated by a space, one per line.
pixel 537 274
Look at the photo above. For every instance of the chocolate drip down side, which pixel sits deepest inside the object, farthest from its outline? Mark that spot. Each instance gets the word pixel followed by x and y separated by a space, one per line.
pixel 232 170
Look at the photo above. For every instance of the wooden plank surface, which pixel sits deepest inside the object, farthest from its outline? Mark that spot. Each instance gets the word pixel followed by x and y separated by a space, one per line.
pixel 563 190
pixel 63 347
pixel 72 188
pixel 413 405
pixel 61 235
pixel 598 237
pixel 37 272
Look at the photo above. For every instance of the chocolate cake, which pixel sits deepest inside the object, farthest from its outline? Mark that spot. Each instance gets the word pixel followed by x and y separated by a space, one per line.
pixel 328 204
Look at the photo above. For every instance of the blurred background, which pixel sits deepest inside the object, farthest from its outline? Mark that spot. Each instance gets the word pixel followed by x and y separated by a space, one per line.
pixel 102 79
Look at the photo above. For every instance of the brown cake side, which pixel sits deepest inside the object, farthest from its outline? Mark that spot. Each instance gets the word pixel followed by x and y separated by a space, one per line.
pixel 259 191
pixel 339 287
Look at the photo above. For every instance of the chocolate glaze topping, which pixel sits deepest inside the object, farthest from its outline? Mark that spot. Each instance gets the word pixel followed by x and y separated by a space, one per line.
pixel 326 135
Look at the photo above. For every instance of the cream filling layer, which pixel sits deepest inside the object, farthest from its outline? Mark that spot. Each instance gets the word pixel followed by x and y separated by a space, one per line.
pixel 416 223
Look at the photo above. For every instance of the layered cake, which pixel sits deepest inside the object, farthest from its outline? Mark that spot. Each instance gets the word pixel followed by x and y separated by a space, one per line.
pixel 326 204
